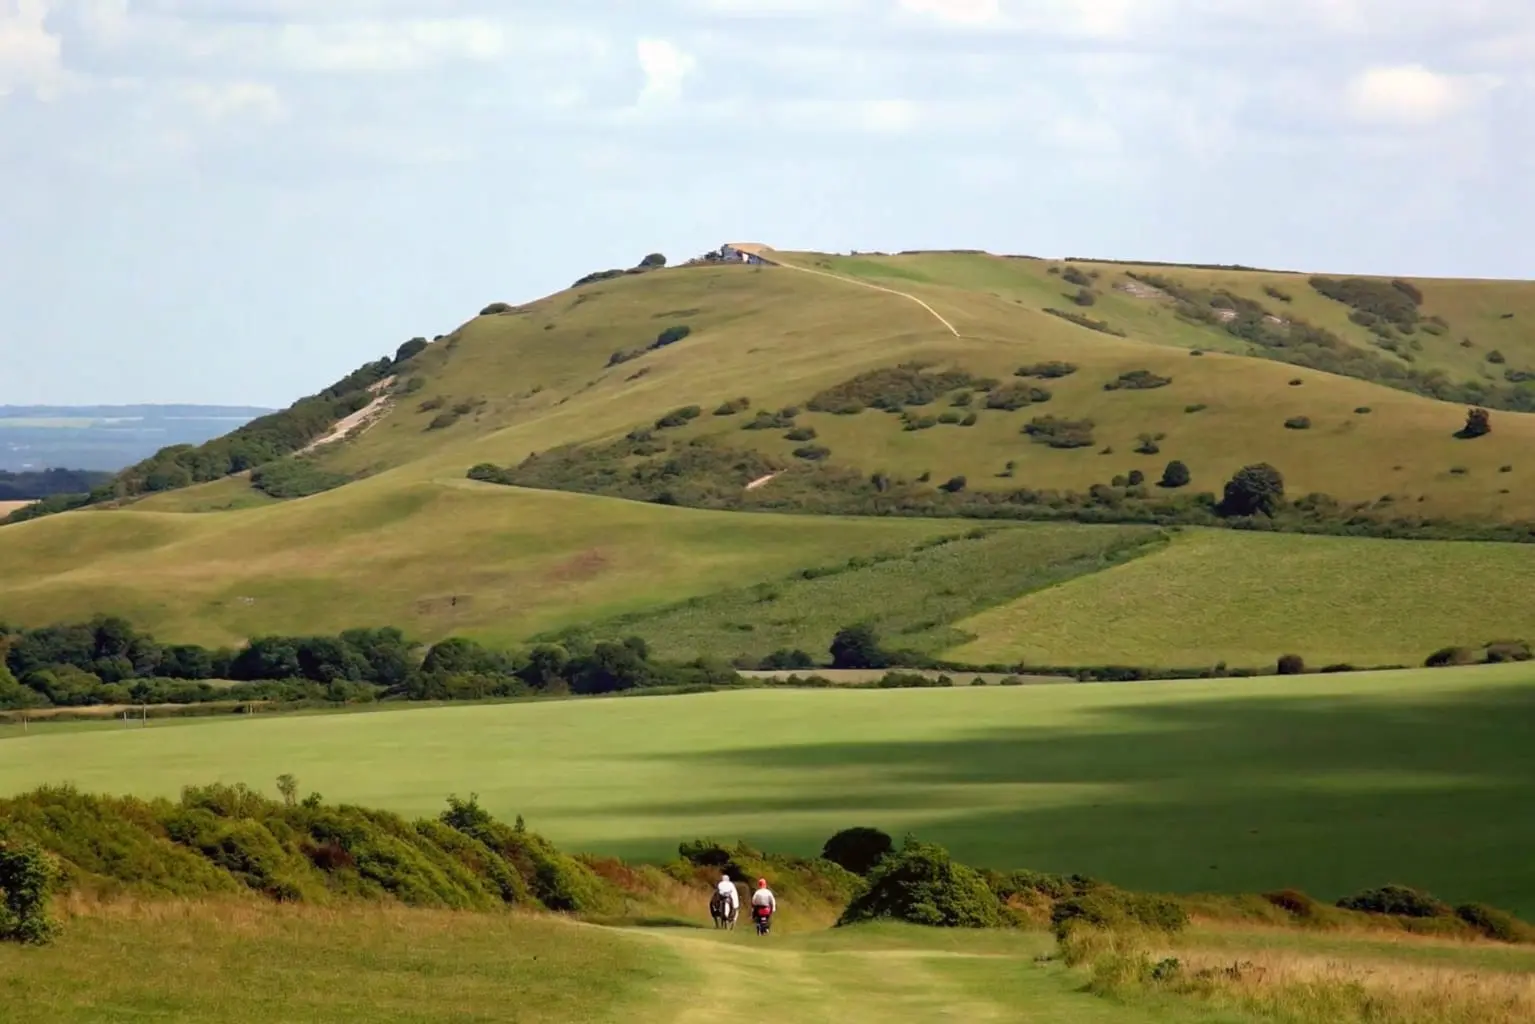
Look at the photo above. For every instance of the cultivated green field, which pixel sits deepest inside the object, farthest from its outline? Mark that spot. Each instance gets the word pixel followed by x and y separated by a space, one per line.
pixel 1328 783
pixel 1248 598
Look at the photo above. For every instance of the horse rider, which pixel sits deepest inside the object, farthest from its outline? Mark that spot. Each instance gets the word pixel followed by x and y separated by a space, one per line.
pixel 728 895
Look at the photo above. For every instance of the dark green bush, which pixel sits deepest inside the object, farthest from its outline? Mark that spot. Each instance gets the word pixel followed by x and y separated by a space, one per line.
pixel 1291 665
pixel 1396 900
pixel 783 419
pixel 953 485
pixel 859 850
pixel 1082 320
pixel 801 434
pixel 1505 651
pixel 970 420
pixel 444 420
pixel 891 389
pixel 858 647
pixel 1113 909
pixel 812 453
pixel 1298 423
pixel 1450 656
pixel 1016 396
pixel 1495 924
pixel 1254 490
pixel 28 876
pixel 1060 433
pixel 922 884
pixel 295 478
pixel 1478 424
pixel 1146 444
pixel 679 417
pixel 1175 475
pixel 1137 380
pixel 1085 297
pixel 1046 371
pixel 495 308
pixel 1495 356
pixel 733 406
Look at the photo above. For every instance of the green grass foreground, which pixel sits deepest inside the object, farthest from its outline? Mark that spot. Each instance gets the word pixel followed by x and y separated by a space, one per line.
pixel 1326 783
pixel 241 964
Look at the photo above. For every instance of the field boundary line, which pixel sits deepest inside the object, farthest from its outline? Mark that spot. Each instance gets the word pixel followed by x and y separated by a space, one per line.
pixel 866 284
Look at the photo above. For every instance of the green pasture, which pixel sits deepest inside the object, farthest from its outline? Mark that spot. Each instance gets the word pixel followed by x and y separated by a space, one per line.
pixel 1248 598
pixel 1327 783
pixel 912 600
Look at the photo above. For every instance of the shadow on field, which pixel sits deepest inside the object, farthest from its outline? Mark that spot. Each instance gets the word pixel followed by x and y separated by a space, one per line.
pixel 1327 794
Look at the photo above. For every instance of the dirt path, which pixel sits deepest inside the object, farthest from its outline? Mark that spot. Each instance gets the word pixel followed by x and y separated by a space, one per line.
pixel 361 418
pixel 753 981
pixel 864 284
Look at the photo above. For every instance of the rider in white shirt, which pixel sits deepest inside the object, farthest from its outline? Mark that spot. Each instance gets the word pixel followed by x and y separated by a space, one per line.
pixel 727 891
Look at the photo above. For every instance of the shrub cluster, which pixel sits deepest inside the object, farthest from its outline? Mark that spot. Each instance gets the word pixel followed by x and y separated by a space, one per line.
pixel 1060 433
pixel 295 478
pixel 1137 380
pixel 1396 302
pixel 1083 320
pixel 893 389
pixel 670 336
pixel 1010 397
pixel 1047 371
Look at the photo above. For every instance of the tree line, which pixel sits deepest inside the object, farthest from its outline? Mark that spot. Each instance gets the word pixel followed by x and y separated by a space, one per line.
pixel 108 661
pixel 35 485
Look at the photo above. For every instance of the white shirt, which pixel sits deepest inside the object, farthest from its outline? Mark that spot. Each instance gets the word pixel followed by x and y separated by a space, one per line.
pixel 727 889
pixel 764 898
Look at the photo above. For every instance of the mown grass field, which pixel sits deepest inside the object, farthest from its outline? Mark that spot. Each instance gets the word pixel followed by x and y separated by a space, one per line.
pixel 1327 783
pixel 1247 598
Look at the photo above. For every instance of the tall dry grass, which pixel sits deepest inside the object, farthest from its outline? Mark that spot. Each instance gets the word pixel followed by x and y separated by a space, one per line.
pixel 1296 987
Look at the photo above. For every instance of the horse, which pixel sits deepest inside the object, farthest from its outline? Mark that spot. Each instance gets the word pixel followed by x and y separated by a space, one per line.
pixel 723 911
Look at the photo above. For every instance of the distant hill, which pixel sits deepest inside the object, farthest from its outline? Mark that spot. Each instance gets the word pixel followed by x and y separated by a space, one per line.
pixel 880 398
pixel 105 438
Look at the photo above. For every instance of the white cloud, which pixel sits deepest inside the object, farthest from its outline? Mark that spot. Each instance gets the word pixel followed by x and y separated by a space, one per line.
pixel 666 67
pixel 1406 94
pixel 219 101
pixel 30 55
pixel 957 12
pixel 391 45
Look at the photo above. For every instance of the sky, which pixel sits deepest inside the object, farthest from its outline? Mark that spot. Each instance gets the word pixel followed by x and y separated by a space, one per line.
pixel 239 201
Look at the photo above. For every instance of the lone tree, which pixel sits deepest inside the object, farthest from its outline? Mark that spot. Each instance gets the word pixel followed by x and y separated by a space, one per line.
pixel 1254 490
pixel 1175 475
pixel 857 647
pixel 1291 665
pixel 27 878
pixel 859 850
pixel 287 785
pixel 1478 424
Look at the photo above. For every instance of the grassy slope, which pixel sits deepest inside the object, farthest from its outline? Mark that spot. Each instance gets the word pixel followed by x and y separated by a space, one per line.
pixel 1247 598
pixel 485 561
pixel 1329 783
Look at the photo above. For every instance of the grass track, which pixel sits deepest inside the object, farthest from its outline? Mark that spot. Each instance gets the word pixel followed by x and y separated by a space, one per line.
pixel 1247 598
pixel 1329 783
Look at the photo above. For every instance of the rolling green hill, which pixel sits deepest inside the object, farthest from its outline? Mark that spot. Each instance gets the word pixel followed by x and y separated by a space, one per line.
pixel 927 385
